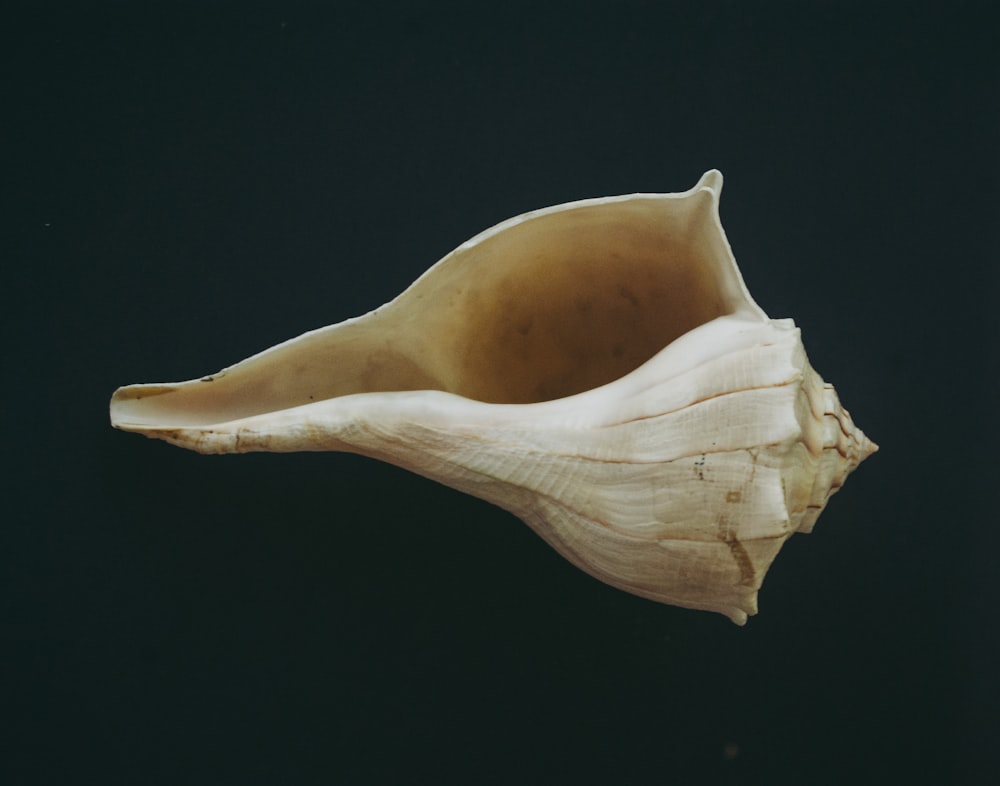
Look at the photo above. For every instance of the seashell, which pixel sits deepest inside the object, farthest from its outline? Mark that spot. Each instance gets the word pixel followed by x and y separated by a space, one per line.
pixel 596 368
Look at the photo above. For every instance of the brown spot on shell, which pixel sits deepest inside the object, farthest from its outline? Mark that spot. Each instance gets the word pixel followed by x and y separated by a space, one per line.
pixel 742 562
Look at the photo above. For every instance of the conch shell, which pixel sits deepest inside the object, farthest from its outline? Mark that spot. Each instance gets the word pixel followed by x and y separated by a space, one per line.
pixel 597 368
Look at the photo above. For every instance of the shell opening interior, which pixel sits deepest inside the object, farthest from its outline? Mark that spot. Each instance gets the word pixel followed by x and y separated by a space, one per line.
pixel 552 305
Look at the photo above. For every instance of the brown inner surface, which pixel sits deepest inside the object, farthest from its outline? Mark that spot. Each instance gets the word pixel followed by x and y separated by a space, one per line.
pixel 564 305
pixel 556 305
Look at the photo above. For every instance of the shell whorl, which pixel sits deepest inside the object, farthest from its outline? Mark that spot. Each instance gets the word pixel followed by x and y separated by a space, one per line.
pixel 597 368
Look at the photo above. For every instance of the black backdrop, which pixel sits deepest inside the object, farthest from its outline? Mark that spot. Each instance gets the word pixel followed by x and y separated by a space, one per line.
pixel 186 187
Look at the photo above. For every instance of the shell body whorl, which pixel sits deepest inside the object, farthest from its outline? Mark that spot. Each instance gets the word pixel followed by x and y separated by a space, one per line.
pixel 599 369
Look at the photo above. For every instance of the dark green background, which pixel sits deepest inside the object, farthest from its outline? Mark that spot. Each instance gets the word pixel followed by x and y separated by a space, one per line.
pixel 188 186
